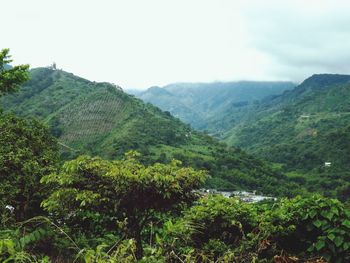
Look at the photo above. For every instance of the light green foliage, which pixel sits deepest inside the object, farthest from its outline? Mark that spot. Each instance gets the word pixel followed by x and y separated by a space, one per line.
pixel 11 77
pixel 123 253
pixel 93 193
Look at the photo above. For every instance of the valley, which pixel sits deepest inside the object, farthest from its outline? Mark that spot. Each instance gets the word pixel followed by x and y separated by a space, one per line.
pixel 101 120
pixel 298 129
pixel 292 132
pixel 206 106
pixel 167 131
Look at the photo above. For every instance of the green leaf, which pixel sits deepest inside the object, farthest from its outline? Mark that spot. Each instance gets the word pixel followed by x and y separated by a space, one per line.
pixel 319 245
pixel 312 213
pixel 331 236
pixel 317 223
pixel 327 214
pixel 335 211
pixel 338 241
pixel 346 223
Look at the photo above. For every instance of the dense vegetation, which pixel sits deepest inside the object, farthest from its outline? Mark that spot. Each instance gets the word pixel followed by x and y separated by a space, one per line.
pixel 130 209
pixel 302 130
pixel 299 130
pixel 101 120
pixel 122 211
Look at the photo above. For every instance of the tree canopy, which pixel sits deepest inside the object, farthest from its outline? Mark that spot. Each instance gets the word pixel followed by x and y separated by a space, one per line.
pixel 95 191
pixel 27 152
pixel 11 77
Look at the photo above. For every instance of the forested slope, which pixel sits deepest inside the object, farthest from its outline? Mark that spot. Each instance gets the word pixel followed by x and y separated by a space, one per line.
pixel 91 209
pixel 303 129
pixel 100 119
pixel 211 106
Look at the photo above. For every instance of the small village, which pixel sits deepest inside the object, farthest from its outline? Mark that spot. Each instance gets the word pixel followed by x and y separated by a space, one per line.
pixel 245 196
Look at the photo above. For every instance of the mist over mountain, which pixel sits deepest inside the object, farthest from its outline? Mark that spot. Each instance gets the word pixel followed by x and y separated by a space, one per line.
pixel 199 104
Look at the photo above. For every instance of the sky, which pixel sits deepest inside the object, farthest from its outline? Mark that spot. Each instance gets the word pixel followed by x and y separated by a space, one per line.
pixel 142 43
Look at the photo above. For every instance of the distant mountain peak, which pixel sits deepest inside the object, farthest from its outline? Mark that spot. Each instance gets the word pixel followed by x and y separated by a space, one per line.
pixel 324 80
pixel 155 90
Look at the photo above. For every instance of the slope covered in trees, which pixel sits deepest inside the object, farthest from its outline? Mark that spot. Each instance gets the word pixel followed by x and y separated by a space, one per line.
pixel 100 119
pixel 303 129
pixel 95 210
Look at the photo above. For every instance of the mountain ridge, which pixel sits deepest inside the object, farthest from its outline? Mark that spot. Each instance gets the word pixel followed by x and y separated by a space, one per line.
pixel 198 103
pixel 100 119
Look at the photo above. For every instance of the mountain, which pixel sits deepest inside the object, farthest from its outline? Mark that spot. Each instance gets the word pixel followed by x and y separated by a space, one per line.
pixel 133 91
pixel 100 119
pixel 168 101
pixel 303 129
pixel 203 105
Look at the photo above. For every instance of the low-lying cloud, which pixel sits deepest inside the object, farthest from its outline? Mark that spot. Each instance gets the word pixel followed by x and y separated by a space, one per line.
pixel 138 44
pixel 301 37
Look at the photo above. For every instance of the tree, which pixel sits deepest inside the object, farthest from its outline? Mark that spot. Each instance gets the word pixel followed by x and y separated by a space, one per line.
pixel 213 226
pixel 11 77
pixel 93 191
pixel 27 152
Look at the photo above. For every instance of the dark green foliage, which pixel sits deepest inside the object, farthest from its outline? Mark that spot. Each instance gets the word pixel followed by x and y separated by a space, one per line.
pixel 27 152
pixel 302 129
pixel 99 119
pixel 214 229
pixel 314 226
pixel 219 218
pixel 226 230
pixel 96 118
pixel 11 77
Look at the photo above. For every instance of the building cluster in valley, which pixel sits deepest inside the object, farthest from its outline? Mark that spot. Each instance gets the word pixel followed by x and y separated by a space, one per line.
pixel 245 196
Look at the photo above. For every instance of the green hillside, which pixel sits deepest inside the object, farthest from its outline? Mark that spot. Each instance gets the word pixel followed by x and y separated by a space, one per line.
pixel 211 106
pixel 303 129
pixel 100 119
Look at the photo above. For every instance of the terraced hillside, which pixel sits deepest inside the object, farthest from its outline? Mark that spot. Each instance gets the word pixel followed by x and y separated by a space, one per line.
pixel 100 119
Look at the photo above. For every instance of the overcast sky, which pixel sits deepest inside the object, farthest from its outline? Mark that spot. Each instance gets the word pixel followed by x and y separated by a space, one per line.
pixel 142 43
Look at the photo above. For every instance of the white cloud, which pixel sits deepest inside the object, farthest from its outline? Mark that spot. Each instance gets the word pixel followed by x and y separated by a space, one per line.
pixel 302 37
pixel 137 43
